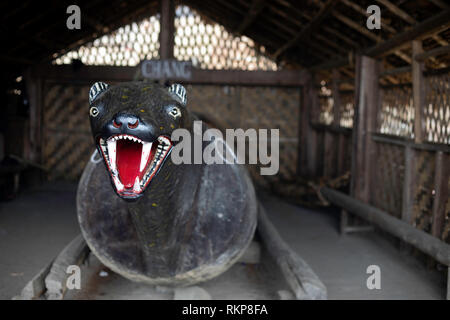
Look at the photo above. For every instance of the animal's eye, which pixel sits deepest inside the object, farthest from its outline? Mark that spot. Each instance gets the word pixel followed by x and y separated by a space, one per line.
pixel 93 111
pixel 174 112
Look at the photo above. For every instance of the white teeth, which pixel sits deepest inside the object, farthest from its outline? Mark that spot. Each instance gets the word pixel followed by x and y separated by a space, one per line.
pixel 146 148
pixel 136 186
pixel 118 184
pixel 112 154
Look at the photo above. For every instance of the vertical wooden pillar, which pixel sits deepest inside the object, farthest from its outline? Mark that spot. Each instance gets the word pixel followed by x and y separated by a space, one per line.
pixel 418 88
pixel 368 106
pixel 34 145
pixel 167 29
pixel 441 181
pixel 354 149
pixel 339 138
pixel 354 158
pixel 310 107
pixel 367 102
pixel 303 126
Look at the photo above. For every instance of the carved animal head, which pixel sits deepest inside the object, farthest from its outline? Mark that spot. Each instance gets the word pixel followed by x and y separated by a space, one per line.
pixel 132 124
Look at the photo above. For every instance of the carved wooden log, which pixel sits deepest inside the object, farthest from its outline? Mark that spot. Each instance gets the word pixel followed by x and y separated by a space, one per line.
pixel 159 222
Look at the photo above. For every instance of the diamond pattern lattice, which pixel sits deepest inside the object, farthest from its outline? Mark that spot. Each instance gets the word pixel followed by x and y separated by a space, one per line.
pixel 397 112
pixel 210 46
pixel 437 108
pixel 126 46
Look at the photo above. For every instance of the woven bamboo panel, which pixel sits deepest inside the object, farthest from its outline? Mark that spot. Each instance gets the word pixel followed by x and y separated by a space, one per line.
pixel 126 46
pixel 210 46
pixel 347 109
pixel 424 190
pixel 437 108
pixel 326 105
pixel 389 178
pixel 67 137
pixel 220 104
pixel 258 108
pixel 397 112
pixel 207 45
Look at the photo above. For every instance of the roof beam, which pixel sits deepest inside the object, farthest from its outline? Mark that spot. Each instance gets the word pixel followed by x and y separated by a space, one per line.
pixel 385 25
pixel 405 16
pixel 255 9
pixel 368 34
pixel 418 31
pixel 441 4
pixel 313 25
pixel 397 11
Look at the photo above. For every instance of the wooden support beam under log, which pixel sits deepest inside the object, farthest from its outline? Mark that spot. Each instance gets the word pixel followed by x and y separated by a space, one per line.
pixel 312 26
pixel 66 73
pixel 418 238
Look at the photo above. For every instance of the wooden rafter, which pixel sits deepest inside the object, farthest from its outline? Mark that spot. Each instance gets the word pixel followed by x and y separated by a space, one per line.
pixel 255 9
pixel 441 4
pixel 310 28
pixel 405 16
pixel 384 24
pixel 430 25
pixel 368 34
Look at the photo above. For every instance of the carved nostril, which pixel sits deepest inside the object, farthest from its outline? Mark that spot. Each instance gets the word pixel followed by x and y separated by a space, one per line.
pixel 133 125
pixel 116 124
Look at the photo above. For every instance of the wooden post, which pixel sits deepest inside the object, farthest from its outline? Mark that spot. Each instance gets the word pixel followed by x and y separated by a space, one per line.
pixel 354 158
pixel 354 150
pixel 339 138
pixel 34 85
pixel 303 127
pixel 441 181
pixel 167 31
pixel 418 88
pixel 367 120
pixel 310 102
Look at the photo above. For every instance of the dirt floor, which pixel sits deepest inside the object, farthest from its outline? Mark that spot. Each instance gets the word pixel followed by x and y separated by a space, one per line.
pixel 39 223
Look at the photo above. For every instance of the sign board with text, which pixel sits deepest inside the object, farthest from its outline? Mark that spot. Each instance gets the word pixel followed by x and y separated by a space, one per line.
pixel 166 69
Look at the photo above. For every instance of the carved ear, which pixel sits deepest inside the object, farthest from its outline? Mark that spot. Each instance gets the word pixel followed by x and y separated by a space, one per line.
pixel 179 93
pixel 96 89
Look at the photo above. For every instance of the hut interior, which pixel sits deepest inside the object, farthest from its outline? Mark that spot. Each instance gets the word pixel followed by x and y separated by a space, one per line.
pixel 358 90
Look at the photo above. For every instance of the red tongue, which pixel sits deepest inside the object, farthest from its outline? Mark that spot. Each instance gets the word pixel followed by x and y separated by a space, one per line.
pixel 128 161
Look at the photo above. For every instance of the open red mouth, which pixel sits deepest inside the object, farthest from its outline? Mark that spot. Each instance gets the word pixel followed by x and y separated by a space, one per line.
pixel 132 162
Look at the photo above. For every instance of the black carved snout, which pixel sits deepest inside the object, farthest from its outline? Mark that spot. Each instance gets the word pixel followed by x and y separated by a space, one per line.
pixel 125 123
pixel 130 121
